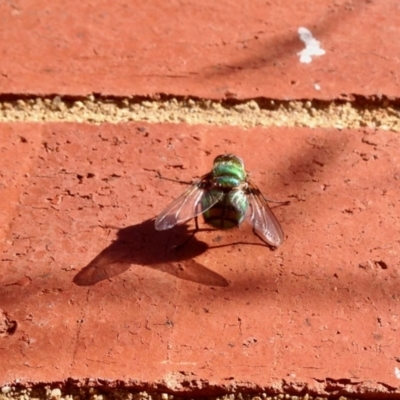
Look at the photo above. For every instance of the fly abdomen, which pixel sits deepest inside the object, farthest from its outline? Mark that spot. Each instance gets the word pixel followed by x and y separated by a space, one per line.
pixel 229 212
pixel 222 216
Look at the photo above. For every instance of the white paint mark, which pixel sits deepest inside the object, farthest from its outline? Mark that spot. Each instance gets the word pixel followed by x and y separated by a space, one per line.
pixel 312 46
pixel 317 87
pixel 397 372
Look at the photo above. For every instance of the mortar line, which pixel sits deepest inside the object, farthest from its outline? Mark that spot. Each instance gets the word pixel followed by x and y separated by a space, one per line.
pixel 354 112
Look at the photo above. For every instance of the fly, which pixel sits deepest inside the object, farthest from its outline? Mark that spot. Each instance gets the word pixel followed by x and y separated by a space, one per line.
pixel 226 197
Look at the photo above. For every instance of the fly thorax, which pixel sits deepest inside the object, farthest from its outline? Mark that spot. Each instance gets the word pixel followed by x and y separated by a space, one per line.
pixel 229 173
pixel 226 182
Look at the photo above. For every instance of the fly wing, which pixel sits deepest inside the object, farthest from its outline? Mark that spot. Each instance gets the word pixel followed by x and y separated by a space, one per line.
pixel 262 218
pixel 188 205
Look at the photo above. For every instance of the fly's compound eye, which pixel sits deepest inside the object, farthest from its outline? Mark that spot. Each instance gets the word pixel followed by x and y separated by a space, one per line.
pixel 229 158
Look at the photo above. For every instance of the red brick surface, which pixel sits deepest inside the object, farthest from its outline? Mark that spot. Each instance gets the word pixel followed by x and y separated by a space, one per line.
pixel 211 49
pixel 89 289
pixel 320 312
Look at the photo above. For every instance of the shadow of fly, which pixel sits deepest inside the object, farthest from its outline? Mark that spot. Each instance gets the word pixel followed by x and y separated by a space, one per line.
pixel 225 197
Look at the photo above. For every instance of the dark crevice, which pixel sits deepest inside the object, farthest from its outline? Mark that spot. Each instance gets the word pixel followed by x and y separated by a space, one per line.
pixel 265 103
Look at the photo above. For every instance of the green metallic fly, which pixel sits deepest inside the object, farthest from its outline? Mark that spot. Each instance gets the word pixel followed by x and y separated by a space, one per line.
pixel 226 197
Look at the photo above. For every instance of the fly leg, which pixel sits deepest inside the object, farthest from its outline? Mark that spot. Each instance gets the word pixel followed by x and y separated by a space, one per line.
pixel 172 180
pixel 191 236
